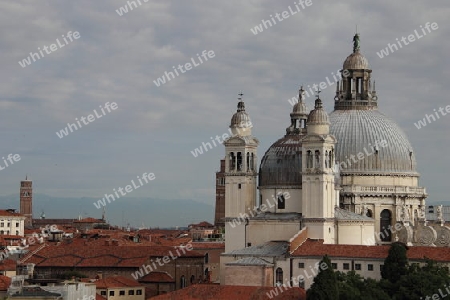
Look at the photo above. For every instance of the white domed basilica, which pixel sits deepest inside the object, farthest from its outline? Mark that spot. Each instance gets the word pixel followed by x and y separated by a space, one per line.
pixel 348 177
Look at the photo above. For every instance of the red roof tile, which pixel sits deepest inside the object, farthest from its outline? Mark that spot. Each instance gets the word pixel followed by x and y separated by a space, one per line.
pixel 12 237
pixel 116 282
pixel 202 224
pixel 4 213
pixel 157 277
pixel 228 292
pixel 69 255
pixel 5 281
pixel 8 265
pixel 208 245
pixel 99 297
pixel 317 248
pixel 89 220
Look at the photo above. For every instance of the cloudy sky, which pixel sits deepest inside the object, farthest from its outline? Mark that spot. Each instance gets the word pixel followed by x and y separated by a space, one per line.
pixel 154 129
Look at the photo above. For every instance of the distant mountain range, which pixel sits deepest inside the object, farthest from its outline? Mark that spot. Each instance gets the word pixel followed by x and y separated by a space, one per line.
pixel 137 212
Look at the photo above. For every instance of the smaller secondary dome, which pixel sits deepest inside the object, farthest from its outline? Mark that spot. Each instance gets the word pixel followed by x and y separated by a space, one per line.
pixel 241 119
pixel 281 165
pixel 318 116
pixel 356 61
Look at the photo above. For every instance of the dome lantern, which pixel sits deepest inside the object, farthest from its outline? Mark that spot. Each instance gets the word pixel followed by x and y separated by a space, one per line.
pixel 298 115
pixel 355 90
pixel 318 121
pixel 241 124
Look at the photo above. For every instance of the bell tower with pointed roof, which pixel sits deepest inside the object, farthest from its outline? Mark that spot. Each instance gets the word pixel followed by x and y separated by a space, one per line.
pixel 319 193
pixel 240 177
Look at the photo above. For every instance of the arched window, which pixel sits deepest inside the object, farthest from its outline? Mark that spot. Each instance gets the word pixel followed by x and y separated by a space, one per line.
pixel 385 223
pixel 192 279
pixel 330 159
pixel 317 156
pixel 309 159
pixel 248 161
pixel 182 282
pixel 279 276
pixel 239 161
pixel 326 159
pixel 232 161
pixel 206 258
pixel 252 162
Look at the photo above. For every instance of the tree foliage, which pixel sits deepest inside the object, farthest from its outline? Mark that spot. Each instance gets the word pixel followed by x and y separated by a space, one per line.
pixel 396 264
pixel 400 280
pixel 325 284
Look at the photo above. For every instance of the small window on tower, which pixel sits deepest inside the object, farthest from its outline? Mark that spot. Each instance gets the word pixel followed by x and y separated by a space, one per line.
pixel 281 202
pixel 239 186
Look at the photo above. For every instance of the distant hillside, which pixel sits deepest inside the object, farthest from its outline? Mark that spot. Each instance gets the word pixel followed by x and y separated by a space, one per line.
pixel 135 211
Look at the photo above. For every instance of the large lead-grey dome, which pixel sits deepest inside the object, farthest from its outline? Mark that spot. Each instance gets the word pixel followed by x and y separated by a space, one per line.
pixel 357 131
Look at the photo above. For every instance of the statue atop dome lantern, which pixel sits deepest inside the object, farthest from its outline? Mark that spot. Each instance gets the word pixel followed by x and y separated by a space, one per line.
pixel 356 46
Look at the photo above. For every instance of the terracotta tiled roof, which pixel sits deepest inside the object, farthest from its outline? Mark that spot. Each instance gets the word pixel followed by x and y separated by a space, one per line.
pixel 162 232
pixel 6 213
pixel 116 282
pixel 99 297
pixel 89 220
pixel 228 292
pixel 317 248
pixel 5 281
pixel 207 245
pixel 157 277
pixel 8 265
pixel 11 237
pixel 43 222
pixel 202 224
pixel 70 255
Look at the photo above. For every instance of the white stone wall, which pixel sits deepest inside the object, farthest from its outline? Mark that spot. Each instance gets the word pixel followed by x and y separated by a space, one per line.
pixel 311 268
pixel 356 233
pixel 234 234
pixel 261 231
pixel 13 225
pixel 268 197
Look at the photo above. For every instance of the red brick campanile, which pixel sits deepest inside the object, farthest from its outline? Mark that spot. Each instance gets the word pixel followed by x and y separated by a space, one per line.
pixel 26 201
